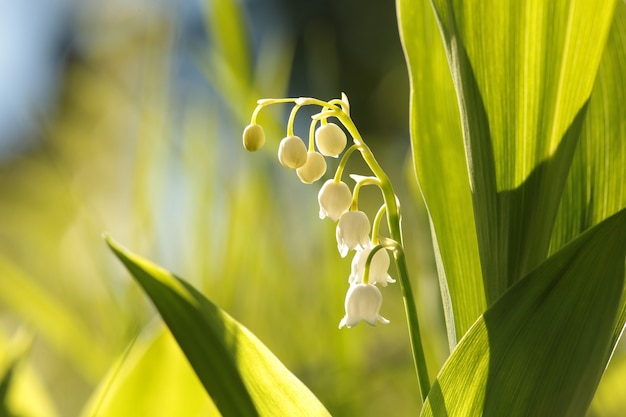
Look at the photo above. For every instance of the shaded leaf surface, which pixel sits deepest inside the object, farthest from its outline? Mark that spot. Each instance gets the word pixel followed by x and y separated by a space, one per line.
pixel 522 82
pixel 542 347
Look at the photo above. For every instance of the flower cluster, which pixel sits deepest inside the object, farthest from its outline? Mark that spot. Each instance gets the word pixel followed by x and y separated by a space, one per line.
pixel 336 200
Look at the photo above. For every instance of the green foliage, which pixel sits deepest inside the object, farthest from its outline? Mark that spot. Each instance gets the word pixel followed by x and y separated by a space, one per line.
pixel 152 368
pixel 541 348
pixel 536 149
pixel 242 376
pixel 518 139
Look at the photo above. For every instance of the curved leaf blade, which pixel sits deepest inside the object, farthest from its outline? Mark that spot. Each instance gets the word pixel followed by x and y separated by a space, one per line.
pixel 543 346
pixel 440 168
pixel 522 82
pixel 535 65
pixel 242 376
pixel 144 373
pixel 595 188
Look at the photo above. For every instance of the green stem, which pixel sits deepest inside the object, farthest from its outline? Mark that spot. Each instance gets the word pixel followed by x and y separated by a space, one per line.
pixel 413 323
pixel 393 221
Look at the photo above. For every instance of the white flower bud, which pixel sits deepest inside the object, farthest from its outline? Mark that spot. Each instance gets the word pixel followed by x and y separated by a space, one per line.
pixel 353 231
pixel 330 139
pixel 378 267
pixel 363 302
pixel 292 152
pixel 253 137
pixel 335 199
pixel 313 169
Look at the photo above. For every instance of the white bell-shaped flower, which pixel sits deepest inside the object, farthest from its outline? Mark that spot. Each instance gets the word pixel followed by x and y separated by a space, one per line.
pixel 313 169
pixel 363 302
pixel 335 199
pixel 378 267
pixel 353 231
pixel 330 139
pixel 253 137
pixel 292 152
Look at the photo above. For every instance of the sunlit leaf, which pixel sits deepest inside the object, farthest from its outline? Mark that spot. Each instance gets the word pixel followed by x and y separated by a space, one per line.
pixel 596 186
pixel 522 81
pixel 441 167
pixel 141 383
pixel 540 349
pixel 242 376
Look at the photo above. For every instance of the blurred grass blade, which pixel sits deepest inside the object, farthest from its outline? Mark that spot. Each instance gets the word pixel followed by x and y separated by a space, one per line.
pixel 240 374
pixel 22 393
pixel 145 373
pixel 54 321
pixel 541 349
pixel 6 380
pixel 440 167
pixel 610 399
pixel 522 82
pixel 225 23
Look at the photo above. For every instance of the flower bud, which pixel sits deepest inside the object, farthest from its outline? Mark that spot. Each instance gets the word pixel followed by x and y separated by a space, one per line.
pixel 335 199
pixel 253 137
pixel 313 168
pixel 353 231
pixel 292 152
pixel 330 139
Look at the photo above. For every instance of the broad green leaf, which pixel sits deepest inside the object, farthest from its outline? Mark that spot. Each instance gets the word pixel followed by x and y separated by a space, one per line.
pixel 440 167
pixel 535 62
pixel 240 374
pixel 541 348
pixel 596 186
pixel 141 383
pixel 522 81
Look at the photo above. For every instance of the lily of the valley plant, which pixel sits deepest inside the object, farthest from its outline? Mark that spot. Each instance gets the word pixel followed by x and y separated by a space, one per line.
pixel 340 204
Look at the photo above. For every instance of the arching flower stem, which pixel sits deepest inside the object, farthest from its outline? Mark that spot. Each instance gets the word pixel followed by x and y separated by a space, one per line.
pixel 393 222
pixel 268 102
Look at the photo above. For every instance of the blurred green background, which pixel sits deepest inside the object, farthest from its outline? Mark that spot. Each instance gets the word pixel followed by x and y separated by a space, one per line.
pixel 136 130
